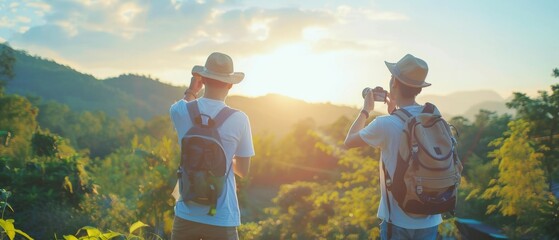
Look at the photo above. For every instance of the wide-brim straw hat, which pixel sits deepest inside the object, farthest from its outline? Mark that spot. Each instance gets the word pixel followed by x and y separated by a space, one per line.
pixel 219 67
pixel 410 71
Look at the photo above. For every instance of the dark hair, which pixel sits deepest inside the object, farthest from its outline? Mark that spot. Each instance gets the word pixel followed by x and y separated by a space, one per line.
pixel 407 91
pixel 215 83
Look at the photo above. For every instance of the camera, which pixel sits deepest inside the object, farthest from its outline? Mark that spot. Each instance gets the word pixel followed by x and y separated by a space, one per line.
pixel 379 94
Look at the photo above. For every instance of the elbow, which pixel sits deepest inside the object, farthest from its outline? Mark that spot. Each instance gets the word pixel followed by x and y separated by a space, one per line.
pixel 347 144
pixel 353 141
pixel 242 173
pixel 242 166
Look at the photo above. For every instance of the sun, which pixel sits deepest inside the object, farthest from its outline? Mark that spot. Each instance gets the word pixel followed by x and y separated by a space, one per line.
pixel 293 70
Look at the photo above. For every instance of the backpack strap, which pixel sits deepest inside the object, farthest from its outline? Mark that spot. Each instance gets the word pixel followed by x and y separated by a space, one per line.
pixel 431 108
pixel 387 189
pixel 225 113
pixel 402 114
pixel 193 110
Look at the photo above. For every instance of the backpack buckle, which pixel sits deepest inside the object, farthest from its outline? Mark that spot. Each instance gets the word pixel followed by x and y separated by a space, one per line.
pixel 415 148
pixel 179 173
pixel 419 189
pixel 388 183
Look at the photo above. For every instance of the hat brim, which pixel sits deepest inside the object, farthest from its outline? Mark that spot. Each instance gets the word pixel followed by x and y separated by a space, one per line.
pixel 233 78
pixel 392 68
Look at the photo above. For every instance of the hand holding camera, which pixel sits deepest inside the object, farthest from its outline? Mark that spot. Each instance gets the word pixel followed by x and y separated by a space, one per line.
pixel 379 94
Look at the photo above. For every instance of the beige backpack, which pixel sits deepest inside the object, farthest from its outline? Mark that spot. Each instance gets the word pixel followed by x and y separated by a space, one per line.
pixel 428 169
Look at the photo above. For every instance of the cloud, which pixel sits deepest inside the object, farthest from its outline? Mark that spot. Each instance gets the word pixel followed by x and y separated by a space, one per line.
pixel 149 34
pixel 146 36
pixel 348 13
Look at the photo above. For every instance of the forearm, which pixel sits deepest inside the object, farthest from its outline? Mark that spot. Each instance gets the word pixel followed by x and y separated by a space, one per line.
pixel 358 124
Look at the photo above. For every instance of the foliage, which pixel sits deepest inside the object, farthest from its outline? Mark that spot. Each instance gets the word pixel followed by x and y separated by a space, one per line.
pixel 7 61
pixel 342 207
pixel 44 144
pixel 139 179
pixel 92 232
pixel 17 115
pixel 520 184
pixel 7 225
pixel 543 112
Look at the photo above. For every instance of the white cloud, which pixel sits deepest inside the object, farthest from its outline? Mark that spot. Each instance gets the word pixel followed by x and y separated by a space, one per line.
pixel 5 22
pixel 39 6
pixel 23 19
pixel 384 16
pixel 146 36
pixel 347 13
pixel 23 29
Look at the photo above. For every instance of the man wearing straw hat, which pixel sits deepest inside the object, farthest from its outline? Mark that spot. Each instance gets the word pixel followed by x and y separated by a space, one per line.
pixel 406 82
pixel 192 220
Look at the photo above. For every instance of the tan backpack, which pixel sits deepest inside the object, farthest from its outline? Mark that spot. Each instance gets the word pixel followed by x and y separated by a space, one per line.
pixel 428 169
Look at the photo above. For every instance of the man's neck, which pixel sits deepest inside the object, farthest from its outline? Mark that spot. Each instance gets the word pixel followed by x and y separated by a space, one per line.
pixel 407 102
pixel 215 95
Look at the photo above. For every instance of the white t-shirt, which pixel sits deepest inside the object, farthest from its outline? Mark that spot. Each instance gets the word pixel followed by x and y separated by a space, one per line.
pixel 236 138
pixel 384 132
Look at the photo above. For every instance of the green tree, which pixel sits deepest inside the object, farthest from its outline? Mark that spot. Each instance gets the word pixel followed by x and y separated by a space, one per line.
pixel 17 115
pixel 7 61
pixel 543 112
pixel 520 185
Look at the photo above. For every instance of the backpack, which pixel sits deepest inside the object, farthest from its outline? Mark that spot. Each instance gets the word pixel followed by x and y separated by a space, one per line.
pixel 428 170
pixel 203 169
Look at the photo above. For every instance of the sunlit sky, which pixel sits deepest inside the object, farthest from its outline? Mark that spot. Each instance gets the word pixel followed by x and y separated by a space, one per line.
pixel 315 50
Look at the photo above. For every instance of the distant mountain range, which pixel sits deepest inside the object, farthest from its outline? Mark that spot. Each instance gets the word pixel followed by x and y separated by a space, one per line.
pixel 467 103
pixel 144 97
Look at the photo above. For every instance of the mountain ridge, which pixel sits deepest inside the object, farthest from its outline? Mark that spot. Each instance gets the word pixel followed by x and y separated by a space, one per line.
pixel 144 97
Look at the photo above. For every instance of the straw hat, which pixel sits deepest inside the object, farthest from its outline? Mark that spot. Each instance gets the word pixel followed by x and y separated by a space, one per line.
pixel 219 67
pixel 410 71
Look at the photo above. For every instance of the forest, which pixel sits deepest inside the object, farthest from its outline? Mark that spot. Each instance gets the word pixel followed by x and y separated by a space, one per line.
pixel 67 174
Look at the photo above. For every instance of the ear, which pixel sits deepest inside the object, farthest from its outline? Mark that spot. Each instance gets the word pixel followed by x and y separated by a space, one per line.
pixel 395 83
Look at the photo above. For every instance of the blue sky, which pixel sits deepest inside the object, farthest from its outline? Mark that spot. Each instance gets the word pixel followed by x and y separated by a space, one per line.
pixel 319 51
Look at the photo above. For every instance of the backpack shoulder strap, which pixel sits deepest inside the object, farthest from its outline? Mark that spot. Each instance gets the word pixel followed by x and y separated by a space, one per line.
pixel 193 110
pixel 225 113
pixel 402 114
pixel 429 108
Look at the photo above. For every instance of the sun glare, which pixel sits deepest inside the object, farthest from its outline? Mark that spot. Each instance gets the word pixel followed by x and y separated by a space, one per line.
pixel 294 71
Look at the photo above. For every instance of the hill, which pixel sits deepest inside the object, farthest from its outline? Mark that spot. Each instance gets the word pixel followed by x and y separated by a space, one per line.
pixel 144 97
pixel 467 103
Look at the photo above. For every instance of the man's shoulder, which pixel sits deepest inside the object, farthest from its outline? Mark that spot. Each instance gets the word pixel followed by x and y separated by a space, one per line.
pixel 239 116
pixel 389 118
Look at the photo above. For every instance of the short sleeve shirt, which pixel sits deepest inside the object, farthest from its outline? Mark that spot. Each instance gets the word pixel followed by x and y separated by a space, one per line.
pixel 236 138
pixel 384 132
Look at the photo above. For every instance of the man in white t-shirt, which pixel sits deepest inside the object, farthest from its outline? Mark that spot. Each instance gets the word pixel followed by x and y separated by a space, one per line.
pixel 407 80
pixel 191 219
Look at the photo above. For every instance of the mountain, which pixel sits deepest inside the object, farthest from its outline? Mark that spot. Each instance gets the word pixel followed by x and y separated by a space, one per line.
pixel 144 97
pixel 280 112
pixel 467 103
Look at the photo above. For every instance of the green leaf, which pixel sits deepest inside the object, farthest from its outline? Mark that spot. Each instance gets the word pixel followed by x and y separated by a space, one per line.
pixel 8 226
pixel 10 207
pixel 70 237
pixel 23 234
pixel 110 235
pixel 137 225
pixel 91 231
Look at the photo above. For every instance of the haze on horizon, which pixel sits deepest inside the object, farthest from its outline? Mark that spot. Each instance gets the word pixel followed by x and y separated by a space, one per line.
pixel 317 51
